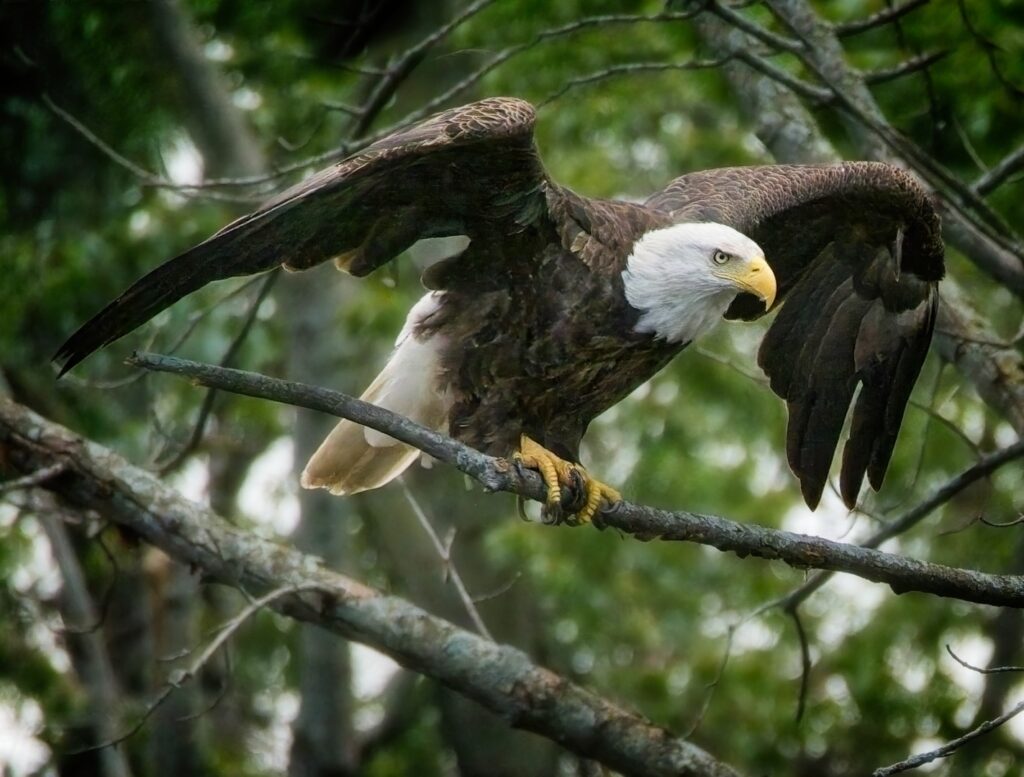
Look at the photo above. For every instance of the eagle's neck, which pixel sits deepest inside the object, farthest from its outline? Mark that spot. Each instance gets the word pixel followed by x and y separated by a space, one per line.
pixel 667 280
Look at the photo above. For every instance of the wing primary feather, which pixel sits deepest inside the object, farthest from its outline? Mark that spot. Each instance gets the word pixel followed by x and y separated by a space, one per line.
pixel 467 169
pixel 153 293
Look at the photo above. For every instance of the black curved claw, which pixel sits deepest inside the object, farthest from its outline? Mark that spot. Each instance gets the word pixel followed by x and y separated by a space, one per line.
pixel 574 495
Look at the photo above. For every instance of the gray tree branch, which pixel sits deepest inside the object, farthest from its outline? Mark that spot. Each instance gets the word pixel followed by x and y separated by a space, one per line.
pixel 497 474
pixel 500 678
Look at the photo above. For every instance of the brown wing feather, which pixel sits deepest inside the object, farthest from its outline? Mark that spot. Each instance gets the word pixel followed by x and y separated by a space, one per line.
pixel 857 254
pixel 469 170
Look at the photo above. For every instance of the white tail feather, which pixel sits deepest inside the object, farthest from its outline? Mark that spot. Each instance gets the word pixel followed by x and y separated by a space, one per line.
pixel 354 458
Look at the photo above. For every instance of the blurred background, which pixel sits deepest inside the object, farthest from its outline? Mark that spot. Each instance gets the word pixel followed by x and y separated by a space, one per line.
pixel 132 130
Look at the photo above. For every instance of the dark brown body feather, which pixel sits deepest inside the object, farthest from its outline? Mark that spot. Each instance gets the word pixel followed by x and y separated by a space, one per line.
pixel 547 343
pixel 539 336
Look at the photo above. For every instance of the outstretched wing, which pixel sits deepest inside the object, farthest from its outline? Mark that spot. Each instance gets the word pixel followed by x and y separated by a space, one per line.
pixel 857 253
pixel 471 171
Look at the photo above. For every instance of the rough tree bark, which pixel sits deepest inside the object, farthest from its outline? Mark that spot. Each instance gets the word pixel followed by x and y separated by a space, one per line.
pixel 501 678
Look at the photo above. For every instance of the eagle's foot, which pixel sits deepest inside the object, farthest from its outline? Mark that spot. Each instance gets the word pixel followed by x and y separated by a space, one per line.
pixel 573 496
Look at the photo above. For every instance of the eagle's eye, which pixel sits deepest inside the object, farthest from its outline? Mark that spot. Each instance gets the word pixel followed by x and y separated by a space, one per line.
pixel 720 257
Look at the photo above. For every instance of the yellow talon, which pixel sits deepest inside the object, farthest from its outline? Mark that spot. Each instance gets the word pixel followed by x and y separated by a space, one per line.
pixel 556 473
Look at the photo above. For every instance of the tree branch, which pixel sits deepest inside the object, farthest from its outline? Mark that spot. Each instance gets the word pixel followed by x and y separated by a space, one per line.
pixel 500 678
pixel 879 19
pixel 950 747
pixel 909 519
pixel 497 474
pixel 1007 166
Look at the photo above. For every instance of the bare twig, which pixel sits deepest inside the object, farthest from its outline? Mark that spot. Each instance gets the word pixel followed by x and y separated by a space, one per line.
pixel 982 670
pixel 950 747
pixel 33 479
pixel 396 74
pixel 912 65
pixel 503 56
pixel 805 663
pixel 1002 524
pixel 179 677
pixel 501 589
pixel 108 593
pixel 122 161
pixel 817 95
pixel 991 50
pixel 754 30
pixel 1007 166
pixel 229 356
pixel 444 551
pixel 712 686
pixel 145 176
pixel 879 19
pixel 630 68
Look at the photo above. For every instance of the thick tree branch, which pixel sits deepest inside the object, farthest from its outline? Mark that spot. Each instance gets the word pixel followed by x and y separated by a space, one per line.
pixel 496 474
pixel 500 678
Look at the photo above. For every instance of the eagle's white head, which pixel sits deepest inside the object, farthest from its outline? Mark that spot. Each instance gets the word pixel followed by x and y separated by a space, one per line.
pixel 683 278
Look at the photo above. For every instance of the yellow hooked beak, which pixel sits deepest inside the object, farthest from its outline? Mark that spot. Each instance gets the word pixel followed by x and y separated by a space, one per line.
pixel 755 277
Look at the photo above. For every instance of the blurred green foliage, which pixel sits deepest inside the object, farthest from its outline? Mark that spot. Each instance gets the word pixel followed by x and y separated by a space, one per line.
pixel 646 624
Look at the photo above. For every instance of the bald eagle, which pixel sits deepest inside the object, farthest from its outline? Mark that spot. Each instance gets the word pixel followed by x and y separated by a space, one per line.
pixel 561 305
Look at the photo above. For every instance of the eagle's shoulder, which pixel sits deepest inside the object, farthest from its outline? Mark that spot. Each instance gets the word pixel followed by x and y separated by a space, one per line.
pixel 600 232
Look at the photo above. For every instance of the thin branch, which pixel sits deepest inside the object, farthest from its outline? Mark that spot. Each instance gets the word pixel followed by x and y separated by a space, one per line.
pixel 340 107
pixel 122 161
pixel 912 65
pixel 1003 524
pixel 818 95
pixel 145 176
pixel 911 518
pixel 410 59
pixel 754 30
pixel 499 677
pixel 444 551
pixel 502 589
pixel 229 356
pixel 879 19
pixel 108 593
pixel 33 479
pixel 712 686
pixel 805 663
pixel 496 474
pixel 630 68
pixel 950 747
pixel 981 670
pixel 1006 167
pixel 510 52
pixel 934 110
pixel 179 677
pixel 990 48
